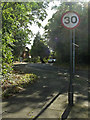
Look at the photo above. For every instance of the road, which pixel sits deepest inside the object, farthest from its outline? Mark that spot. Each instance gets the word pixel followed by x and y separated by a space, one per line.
pixel 52 82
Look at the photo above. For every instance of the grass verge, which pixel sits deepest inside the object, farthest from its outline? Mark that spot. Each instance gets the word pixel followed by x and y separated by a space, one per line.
pixel 14 83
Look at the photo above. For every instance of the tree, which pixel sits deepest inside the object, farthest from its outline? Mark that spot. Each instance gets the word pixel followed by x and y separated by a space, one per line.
pixel 59 37
pixel 15 19
pixel 39 48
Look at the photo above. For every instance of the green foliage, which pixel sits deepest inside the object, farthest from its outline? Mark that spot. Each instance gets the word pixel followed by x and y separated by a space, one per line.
pixel 39 49
pixel 59 37
pixel 15 19
pixel 35 59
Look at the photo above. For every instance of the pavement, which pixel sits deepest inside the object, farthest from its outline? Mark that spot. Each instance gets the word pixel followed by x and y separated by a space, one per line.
pixel 48 96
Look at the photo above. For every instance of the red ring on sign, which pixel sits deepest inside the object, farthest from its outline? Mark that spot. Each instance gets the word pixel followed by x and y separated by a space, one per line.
pixel 65 14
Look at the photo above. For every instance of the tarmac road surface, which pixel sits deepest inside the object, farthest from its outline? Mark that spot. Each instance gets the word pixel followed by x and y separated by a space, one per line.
pixel 48 94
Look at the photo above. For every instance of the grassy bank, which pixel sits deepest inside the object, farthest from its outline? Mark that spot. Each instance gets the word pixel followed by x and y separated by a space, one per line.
pixel 14 83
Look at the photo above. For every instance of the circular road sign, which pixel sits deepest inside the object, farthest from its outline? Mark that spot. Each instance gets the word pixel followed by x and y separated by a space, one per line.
pixel 70 20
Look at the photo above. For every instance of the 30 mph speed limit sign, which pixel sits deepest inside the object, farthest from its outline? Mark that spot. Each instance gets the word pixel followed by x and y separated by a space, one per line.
pixel 70 20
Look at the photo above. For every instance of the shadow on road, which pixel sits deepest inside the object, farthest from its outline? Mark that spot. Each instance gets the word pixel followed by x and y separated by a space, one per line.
pixel 35 96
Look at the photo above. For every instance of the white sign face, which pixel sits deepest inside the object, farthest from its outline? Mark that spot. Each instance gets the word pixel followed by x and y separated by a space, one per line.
pixel 70 20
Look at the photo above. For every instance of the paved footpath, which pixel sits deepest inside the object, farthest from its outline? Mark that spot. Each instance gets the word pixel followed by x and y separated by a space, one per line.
pixel 47 97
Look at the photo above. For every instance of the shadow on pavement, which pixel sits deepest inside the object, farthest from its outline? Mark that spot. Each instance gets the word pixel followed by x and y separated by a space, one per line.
pixel 35 96
pixel 46 107
pixel 66 112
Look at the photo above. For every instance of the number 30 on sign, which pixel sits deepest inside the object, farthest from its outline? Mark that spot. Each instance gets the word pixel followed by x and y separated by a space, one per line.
pixel 70 20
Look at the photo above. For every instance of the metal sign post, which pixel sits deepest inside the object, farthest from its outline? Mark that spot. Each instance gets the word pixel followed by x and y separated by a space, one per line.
pixel 70 91
pixel 73 52
pixel 71 20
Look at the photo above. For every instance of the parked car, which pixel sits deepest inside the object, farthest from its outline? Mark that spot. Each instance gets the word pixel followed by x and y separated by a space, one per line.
pixel 51 60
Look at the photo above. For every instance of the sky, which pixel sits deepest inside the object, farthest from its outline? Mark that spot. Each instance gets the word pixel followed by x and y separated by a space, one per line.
pixel 50 12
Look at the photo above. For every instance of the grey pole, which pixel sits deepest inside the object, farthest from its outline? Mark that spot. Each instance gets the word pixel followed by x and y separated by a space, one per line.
pixel 72 60
pixel 73 52
pixel 70 91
